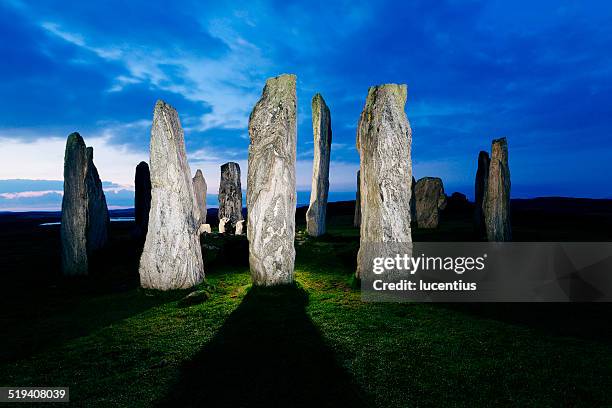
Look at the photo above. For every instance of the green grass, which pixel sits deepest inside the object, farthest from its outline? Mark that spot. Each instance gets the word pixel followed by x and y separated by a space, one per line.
pixel 312 344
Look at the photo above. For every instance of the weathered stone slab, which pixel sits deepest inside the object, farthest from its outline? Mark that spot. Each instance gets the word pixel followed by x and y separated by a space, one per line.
pixel 230 193
pixel 430 199
pixel 199 189
pixel 97 211
pixel 239 227
pixel 480 188
pixel 222 223
pixel 142 198
pixel 497 196
pixel 172 256
pixel 384 142
pixel 271 195
pixel 204 228
pixel 321 126
pixel 73 228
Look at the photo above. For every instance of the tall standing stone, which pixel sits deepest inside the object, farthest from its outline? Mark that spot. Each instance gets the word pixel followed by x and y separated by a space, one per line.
pixel 497 196
pixel 73 228
pixel 230 193
pixel 357 216
pixel 384 142
pixel 199 189
pixel 480 188
pixel 321 127
pixel 430 199
pixel 172 257
pixel 97 210
pixel 142 198
pixel 271 195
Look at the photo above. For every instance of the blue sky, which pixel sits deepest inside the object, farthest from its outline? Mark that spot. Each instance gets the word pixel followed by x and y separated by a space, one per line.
pixel 535 72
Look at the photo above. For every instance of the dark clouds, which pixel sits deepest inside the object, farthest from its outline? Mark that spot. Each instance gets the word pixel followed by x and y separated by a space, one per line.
pixel 536 72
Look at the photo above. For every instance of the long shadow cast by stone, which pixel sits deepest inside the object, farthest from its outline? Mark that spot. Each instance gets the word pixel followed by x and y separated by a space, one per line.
pixel 268 353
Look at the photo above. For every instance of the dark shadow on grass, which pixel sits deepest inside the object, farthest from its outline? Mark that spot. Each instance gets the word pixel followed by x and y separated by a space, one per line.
pixel 267 354
pixel 581 320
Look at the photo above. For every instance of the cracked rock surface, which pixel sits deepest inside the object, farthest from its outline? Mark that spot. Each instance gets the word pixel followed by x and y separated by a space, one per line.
pixel 172 256
pixel 384 142
pixel 271 195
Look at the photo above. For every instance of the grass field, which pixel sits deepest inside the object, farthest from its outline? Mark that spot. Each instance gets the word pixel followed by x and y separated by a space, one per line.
pixel 312 344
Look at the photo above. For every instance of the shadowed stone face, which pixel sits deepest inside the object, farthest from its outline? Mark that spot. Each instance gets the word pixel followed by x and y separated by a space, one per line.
pixel 97 211
pixel 384 142
pixel 430 199
pixel 230 193
pixel 172 256
pixel 357 216
pixel 271 193
pixel 480 188
pixel 497 195
pixel 199 189
pixel 413 212
pixel 321 126
pixel 142 198
pixel 85 219
pixel 73 228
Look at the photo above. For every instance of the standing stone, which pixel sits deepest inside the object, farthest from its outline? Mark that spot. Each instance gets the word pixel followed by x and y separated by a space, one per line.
pixel 321 127
pixel 413 211
pixel 239 227
pixel 222 223
pixel 230 193
pixel 357 217
pixel 97 211
pixel 430 199
pixel 142 198
pixel 384 142
pixel 199 189
pixel 497 195
pixel 73 229
pixel 172 256
pixel 480 187
pixel 271 195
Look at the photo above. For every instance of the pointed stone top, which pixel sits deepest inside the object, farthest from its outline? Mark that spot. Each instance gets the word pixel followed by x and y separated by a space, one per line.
pixel 317 100
pixel 499 149
pixel 160 104
pixel 74 139
pixel 89 153
pixel 143 164
pixel 199 174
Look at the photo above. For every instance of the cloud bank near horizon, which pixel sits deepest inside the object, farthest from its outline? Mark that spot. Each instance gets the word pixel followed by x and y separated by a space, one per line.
pixel 539 75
